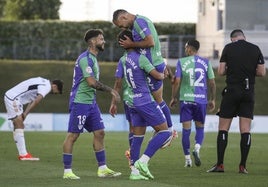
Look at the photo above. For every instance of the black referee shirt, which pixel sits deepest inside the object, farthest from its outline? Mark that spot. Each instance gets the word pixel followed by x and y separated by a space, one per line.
pixel 241 59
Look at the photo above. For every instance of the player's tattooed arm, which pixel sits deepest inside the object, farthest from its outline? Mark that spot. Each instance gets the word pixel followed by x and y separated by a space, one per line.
pixel 100 86
pixel 92 82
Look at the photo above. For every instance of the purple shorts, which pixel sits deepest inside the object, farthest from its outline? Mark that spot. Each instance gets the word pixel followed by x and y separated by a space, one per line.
pixel 155 84
pixel 147 115
pixel 192 111
pixel 127 112
pixel 85 116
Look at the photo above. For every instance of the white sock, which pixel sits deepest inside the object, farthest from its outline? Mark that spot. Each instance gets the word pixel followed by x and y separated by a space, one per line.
pixel 134 170
pixel 18 136
pixel 197 147
pixel 187 157
pixel 102 167
pixel 67 170
pixel 144 159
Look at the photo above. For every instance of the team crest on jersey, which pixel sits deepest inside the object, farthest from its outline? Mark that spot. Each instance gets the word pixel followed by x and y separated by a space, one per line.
pixel 89 70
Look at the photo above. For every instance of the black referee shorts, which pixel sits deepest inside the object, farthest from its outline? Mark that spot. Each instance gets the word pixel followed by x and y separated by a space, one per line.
pixel 237 101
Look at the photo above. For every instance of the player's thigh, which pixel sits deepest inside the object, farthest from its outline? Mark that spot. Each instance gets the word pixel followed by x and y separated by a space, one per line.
pixel 246 108
pixel 94 121
pixel 14 108
pixel 155 84
pixel 199 113
pixel 186 111
pixel 152 114
pixel 230 102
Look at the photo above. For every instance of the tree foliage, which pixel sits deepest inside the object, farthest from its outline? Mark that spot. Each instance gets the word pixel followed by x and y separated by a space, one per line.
pixel 2 4
pixel 31 9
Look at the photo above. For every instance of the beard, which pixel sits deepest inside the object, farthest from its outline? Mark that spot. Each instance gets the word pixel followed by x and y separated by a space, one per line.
pixel 100 47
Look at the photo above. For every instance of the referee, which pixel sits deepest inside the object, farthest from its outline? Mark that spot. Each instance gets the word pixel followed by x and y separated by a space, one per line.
pixel 241 62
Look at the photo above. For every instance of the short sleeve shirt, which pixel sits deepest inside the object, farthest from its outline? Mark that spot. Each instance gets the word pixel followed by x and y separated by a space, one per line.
pixel 85 66
pixel 136 68
pixel 28 90
pixel 241 58
pixel 194 72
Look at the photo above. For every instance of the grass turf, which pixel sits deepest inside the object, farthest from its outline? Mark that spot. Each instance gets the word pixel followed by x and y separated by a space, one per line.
pixel 167 165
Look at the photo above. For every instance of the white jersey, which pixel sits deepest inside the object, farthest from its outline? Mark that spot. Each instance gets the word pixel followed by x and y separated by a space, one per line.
pixel 27 90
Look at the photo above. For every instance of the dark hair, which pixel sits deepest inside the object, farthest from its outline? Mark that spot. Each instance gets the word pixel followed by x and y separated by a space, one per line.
pixel 59 84
pixel 123 33
pixel 117 13
pixel 194 43
pixel 236 33
pixel 92 33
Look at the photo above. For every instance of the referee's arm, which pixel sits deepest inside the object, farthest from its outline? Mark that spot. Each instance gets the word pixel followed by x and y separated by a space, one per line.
pixel 261 70
pixel 222 69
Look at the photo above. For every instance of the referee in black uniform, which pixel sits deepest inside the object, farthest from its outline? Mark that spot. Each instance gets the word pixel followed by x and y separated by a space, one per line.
pixel 241 62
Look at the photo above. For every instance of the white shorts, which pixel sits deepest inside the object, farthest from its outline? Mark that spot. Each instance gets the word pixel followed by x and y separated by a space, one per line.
pixel 14 108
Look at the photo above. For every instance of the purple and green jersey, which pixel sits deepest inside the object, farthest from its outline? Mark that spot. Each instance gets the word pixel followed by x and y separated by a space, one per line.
pixel 127 93
pixel 85 66
pixel 194 72
pixel 135 68
pixel 143 27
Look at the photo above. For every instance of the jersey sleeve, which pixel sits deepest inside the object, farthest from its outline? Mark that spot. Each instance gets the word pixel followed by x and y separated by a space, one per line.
pixel 145 64
pixel 119 73
pixel 178 72
pixel 211 74
pixel 44 89
pixel 224 55
pixel 260 60
pixel 142 27
pixel 86 67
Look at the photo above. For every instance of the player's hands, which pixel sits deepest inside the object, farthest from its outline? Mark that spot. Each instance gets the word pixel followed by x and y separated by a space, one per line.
pixel 113 110
pixel 166 73
pixel 23 116
pixel 173 102
pixel 116 95
pixel 127 43
pixel 211 105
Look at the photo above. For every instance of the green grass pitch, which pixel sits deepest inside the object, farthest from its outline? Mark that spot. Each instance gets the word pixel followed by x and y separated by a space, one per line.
pixel 167 165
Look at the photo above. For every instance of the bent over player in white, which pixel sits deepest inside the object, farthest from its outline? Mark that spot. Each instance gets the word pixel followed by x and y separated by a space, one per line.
pixel 30 92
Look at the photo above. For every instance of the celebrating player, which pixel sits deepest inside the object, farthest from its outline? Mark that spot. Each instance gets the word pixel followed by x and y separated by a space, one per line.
pixel 84 111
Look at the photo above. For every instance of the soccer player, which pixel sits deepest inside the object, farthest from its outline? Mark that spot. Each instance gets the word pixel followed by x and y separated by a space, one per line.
pixel 194 78
pixel 145 39
pixel 144 110
pixel 121 84
pixel 241 62
pixel 30 92
pixel 84 111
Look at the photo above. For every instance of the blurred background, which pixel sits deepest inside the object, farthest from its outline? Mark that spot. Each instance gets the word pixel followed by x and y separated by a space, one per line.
pixel 44 38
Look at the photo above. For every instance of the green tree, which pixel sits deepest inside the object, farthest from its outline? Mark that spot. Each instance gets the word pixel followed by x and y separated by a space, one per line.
pixel 2 4
pixel 31 9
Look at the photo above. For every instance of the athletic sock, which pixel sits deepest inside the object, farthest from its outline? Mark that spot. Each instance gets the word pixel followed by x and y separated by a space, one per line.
pixel 136 147
pixel 166 111
pixel 222 141
pixel 245 144
pixel 67 161
pixel 186 141
pixel 130 138
pixel 197 147
pixel 100 157
pixel 19 139
pixel 156 142
pixel 199 135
